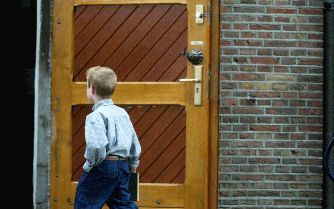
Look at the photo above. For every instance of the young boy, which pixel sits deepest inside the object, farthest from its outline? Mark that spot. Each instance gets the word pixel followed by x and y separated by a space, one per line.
pixel 112 147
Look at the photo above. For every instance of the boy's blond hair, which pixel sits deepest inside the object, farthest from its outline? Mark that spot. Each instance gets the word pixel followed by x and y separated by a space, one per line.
pixel 102 79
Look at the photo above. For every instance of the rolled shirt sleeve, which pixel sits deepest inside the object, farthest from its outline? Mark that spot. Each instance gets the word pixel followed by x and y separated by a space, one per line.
pixel 135 151
pixel 96 141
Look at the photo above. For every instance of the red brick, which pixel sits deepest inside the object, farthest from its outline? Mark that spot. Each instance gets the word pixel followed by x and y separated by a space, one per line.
pixel 310 11
pixel 248 177
pixel 289 28
pixel 264 27
pixel 240 26
pixel 247 136
pixel 281 111
pixel 311 61
pixel 280 144
pixel 310 111
pixel 299 136
pixel 281 2
pixel 310 128
pixel 265 34
pixel 265 94
pixel 253 144
pixel 289 128
pixel 314 104
pixel 248 51
pixel 263 160
pixel 298 2
pixel 283 10
pixel 247 35
pixel 309 44
pixel 264 60
pixel 264 128
pixel 248 110
pixel 248 77
pixel 315 28
pixel 229 51
pixel 264 52
pixel 315 36
pixel 279 177
pixel 311 95
pixel 282 19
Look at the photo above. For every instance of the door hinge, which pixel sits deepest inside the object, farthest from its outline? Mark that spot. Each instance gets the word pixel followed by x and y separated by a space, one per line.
pixel 207 14
pixel 208 85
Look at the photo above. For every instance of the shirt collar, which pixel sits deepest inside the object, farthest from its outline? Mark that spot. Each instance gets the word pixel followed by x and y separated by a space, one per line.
pixel 102 102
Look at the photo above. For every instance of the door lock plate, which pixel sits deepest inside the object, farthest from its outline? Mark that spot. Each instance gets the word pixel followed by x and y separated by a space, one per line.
pixel 197 80
pixel 199 14
pixel 198 85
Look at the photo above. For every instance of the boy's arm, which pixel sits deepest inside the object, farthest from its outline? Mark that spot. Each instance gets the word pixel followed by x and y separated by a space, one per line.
pixel 96 141
pixel 134 152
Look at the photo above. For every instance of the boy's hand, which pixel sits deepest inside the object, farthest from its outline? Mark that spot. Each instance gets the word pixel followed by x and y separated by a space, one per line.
pixel 133 170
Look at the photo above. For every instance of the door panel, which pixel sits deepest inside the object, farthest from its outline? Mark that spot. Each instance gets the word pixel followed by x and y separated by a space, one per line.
pixel 145 42
pixel 140 42
pixel 161 131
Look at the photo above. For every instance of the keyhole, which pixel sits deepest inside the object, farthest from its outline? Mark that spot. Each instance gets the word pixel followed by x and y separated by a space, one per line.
pixel 197 89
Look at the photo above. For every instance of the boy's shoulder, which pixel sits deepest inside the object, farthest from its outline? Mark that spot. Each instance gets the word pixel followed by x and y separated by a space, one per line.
pixel 113 107
pixel 110 109
pixel 104 112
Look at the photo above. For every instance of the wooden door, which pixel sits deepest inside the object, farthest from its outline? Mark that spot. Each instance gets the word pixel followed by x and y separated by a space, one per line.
pixel 145 42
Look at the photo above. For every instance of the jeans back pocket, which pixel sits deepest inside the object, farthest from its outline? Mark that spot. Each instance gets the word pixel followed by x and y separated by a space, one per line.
pixel 109 168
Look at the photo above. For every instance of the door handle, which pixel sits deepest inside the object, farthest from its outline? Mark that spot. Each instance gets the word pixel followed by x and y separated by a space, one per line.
pixel 197 84
pixel 189 80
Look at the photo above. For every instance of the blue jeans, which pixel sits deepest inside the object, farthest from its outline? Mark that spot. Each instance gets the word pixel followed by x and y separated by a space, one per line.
pixel 105 184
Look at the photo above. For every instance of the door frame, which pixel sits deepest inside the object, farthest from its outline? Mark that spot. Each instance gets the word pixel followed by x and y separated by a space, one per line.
pixel 214 103
pixel 59 59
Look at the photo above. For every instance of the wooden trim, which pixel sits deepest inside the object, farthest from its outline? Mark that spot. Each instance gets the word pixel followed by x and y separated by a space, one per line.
pixel 62 57
pixel 197 138
pixel 167 195
pixel 96 2
pixel 137 93
pixel 214 104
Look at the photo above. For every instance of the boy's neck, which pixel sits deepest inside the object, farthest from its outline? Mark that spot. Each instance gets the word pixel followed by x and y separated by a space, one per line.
pixel 96 99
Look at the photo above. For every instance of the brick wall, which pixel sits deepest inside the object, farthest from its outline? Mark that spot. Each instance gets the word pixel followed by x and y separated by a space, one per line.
pixel 271 104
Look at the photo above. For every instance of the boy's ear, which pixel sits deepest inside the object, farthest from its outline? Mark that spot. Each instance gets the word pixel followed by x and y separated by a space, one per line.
pixel 93 90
